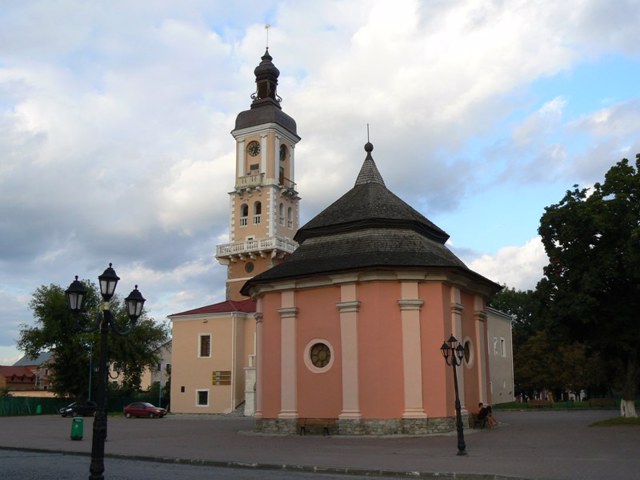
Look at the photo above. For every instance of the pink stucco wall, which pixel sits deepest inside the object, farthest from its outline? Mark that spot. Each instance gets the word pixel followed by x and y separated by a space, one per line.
pixel 381 366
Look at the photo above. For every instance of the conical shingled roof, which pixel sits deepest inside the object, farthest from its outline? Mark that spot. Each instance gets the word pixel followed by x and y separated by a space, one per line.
pixel 368 227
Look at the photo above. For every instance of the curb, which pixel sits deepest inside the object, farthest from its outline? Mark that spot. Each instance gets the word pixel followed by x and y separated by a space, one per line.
pixel 287 467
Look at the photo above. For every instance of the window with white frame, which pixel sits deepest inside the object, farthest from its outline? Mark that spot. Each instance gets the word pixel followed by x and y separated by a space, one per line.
pixel 202 398
pixel 257 212
pixel 244 214
pixel 503 347
pixel 204 345
pixel 495 345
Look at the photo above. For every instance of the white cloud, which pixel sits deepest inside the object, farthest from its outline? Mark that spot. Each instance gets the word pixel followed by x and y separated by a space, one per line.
pixel 116 119
pixel 519 267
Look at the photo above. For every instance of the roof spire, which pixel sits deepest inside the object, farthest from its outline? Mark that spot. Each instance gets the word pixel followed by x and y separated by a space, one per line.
pixel 267 27
pixel 266 80
pixel 369 172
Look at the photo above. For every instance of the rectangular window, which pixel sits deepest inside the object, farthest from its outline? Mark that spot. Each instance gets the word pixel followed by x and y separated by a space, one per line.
pixel 204 346
pixel 495 345
pixel 202 398
pixel 503 347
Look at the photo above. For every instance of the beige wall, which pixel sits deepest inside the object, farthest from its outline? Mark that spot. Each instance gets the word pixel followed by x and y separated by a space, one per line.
pixel 500 348
pixel 230 350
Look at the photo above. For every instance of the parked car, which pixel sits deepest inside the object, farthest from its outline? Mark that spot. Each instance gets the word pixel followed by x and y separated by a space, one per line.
pixel 76 409
pixel 143 409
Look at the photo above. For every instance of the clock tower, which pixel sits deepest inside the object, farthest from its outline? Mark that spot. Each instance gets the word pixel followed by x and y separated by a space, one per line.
pixel 264 204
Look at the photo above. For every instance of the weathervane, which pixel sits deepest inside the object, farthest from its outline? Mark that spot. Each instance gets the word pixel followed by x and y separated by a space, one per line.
pixel 368 133
pixel 267 27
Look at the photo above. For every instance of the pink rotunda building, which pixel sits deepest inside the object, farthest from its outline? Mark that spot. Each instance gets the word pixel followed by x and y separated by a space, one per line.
pixel 349 327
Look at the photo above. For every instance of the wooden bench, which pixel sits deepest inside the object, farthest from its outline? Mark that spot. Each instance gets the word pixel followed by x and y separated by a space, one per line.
pixel 317 426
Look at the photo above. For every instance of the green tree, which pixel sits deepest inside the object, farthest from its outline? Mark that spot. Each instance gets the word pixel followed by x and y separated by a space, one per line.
pixel 524 308
pixel 62 333
pixel 592 238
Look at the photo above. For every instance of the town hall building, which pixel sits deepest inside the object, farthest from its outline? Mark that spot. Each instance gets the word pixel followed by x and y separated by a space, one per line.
pixel 337 324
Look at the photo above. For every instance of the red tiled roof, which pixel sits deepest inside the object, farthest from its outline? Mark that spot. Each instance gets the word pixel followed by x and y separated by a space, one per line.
pixel 17 371
pixel 228 306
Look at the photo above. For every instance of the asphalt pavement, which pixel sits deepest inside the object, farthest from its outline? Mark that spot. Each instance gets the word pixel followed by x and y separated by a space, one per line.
pixel 545 445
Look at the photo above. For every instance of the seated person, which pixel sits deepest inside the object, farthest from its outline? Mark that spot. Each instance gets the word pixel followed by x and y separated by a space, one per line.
pixel 485 416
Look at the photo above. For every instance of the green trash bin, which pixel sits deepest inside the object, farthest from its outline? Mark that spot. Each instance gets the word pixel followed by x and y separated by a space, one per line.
pixel 38 409
pixel 77 427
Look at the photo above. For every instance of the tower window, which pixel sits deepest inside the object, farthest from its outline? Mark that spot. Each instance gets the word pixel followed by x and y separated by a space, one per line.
pixel 244 214
pixel 257 212
pixel 290 217
pixel 283 153
pixel 281 214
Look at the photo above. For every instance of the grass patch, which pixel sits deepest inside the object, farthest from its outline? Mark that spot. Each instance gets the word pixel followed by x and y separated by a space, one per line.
pixel 613 422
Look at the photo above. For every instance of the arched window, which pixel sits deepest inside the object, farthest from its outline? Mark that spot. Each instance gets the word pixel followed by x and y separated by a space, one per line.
pixel 281 214
pixel 290 217
pixel 244 214
pixel 257 212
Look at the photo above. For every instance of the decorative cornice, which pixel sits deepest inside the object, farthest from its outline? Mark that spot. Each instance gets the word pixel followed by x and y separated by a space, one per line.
pixel 348 307
pixel 288 312
pixel 406 304
pixel 457 308
pixel 480 315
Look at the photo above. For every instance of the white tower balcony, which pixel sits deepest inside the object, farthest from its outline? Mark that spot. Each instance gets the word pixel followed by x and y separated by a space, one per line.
pixel 265 247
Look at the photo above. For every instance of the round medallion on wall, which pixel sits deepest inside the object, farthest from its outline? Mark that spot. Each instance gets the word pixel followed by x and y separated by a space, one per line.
pixel 468 353
pixel 320 355
pixel 253 148
pixel 248 267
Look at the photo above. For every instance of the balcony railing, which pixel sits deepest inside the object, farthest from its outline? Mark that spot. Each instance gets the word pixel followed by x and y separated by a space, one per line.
pixel 250 180
pixel 257 180
pixel 256 246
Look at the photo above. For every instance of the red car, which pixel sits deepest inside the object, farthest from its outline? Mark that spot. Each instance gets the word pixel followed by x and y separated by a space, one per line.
pixel 143 409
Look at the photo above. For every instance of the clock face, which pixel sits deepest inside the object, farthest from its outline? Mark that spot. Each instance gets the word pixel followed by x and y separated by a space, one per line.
pixel 253 148
pixel 283 153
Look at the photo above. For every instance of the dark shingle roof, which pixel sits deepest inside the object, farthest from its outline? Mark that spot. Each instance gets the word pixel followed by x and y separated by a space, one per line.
pixel 368 227
pixel 369 204
pixel 31 361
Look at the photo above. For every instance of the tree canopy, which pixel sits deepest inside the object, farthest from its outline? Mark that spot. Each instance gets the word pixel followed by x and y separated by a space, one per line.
pixel 59 331
pixel 592 281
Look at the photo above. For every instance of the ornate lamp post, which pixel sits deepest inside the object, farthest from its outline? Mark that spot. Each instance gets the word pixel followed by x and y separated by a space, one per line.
pixel 76 296
pixel 453 354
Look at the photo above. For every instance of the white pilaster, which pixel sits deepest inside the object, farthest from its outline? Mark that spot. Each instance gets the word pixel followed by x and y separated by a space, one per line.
pixel 289 385
pixel 410 306
pixel 349 339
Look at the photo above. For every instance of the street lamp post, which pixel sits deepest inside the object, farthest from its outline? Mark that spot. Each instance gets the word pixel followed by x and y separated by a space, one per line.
pixel 76 295
pixel 453 354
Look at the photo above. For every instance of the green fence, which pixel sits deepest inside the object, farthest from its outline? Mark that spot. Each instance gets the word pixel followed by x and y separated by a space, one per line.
pixel 14 406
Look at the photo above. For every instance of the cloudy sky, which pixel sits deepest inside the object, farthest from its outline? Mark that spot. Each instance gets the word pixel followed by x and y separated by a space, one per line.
pixel 115 120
